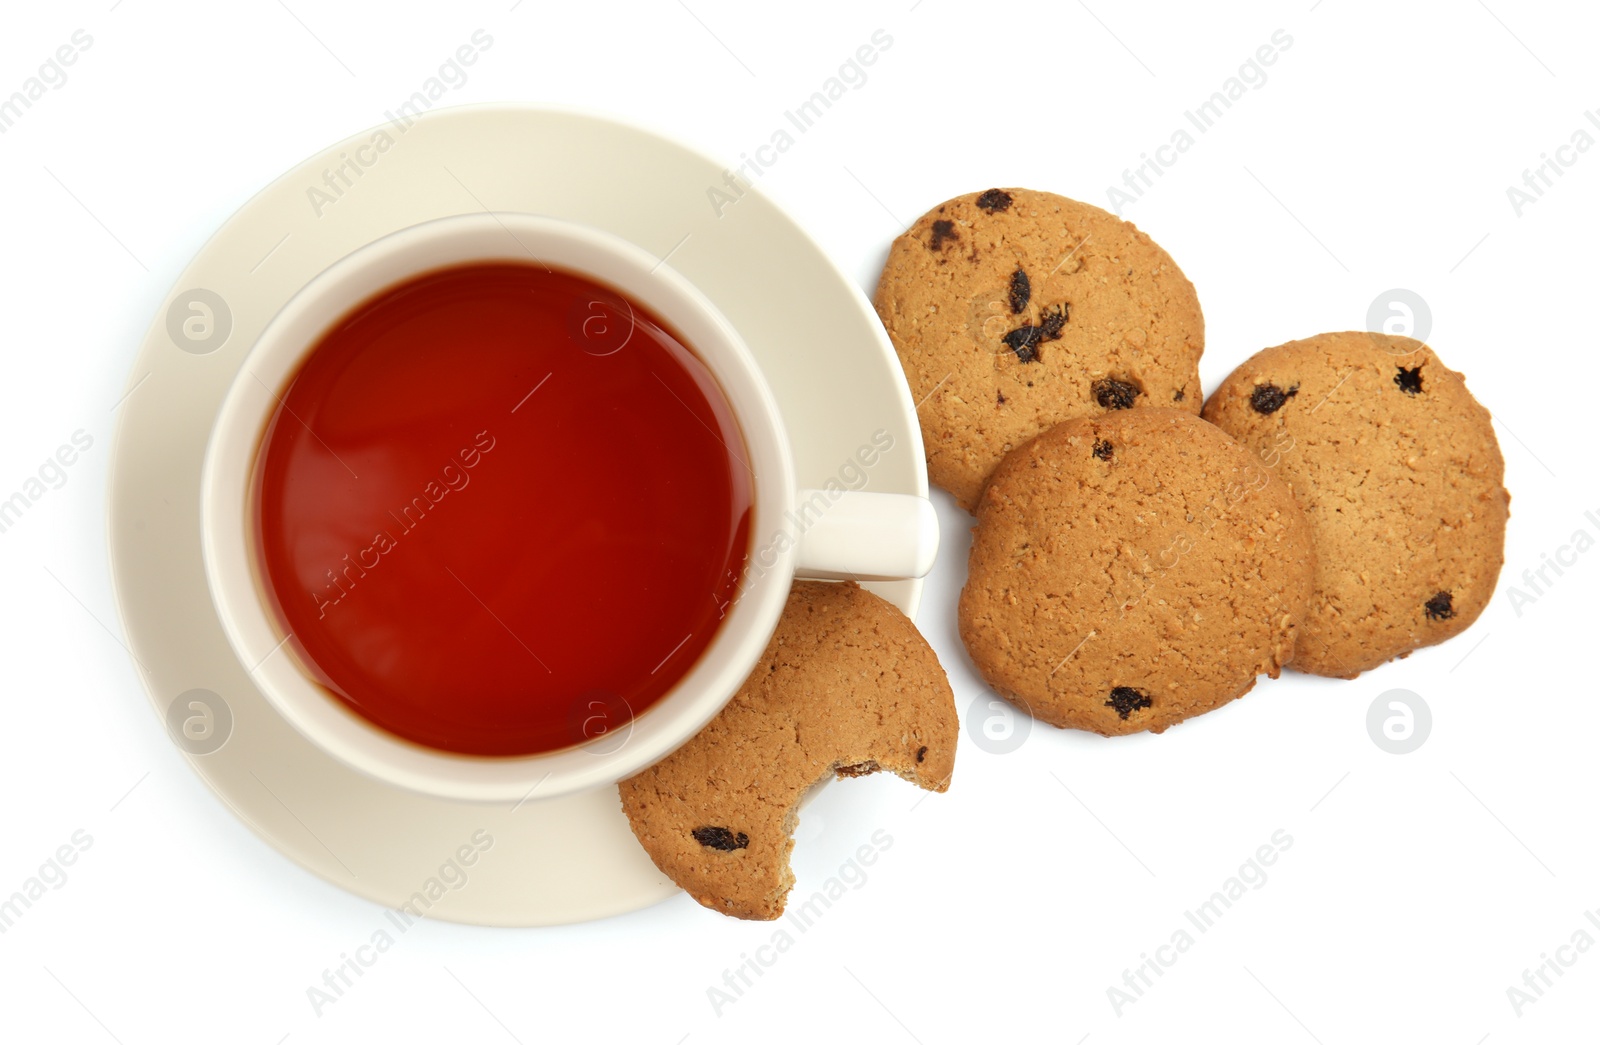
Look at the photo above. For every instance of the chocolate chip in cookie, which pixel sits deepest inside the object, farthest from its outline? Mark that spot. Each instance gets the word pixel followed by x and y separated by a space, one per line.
pixel 1020 293
pixel 1126 700
pixel 1438 607
pixel 1113 394
pixel 1051 320
pixel 1409 380
pixel 720 838
pixel 1267 398
pixel 993 200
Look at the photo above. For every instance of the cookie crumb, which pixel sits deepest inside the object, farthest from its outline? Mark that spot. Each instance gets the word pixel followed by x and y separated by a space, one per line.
pixel 1115 395
pixel 922 752
pixel 1102 449
pixel 1021 291
pixel 942 230
pixel 1267 398
pixel 1440 606
pixel 722 839
pixel 1410 381
pixel 1126 700
pixel 994 200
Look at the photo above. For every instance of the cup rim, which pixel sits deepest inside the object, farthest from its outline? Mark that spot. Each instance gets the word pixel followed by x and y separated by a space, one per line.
pixel 226 513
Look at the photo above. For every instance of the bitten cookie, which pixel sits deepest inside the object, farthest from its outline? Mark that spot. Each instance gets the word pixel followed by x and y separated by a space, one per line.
pixel 1400 476
pixel 847 686
pixel 1012 310
pixel 1130 571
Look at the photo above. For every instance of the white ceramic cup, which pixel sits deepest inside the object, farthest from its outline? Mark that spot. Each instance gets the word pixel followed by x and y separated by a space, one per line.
pixel 812 533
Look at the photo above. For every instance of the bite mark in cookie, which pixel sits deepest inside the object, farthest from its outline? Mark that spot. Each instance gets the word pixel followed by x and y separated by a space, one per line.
pixel 846 687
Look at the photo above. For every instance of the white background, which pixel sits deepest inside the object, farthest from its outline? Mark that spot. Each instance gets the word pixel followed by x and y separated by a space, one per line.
pixel 1377 155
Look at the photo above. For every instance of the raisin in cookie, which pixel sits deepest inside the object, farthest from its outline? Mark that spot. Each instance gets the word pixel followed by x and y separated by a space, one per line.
pixel 1133 570
pixel 847 686
pixel 1398 471
pixel 1012 310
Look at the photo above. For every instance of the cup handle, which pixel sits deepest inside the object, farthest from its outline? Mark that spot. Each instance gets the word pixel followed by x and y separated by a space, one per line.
pixel 856 535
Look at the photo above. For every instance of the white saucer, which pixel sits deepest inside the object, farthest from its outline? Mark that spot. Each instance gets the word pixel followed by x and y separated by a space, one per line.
pixel 826 356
